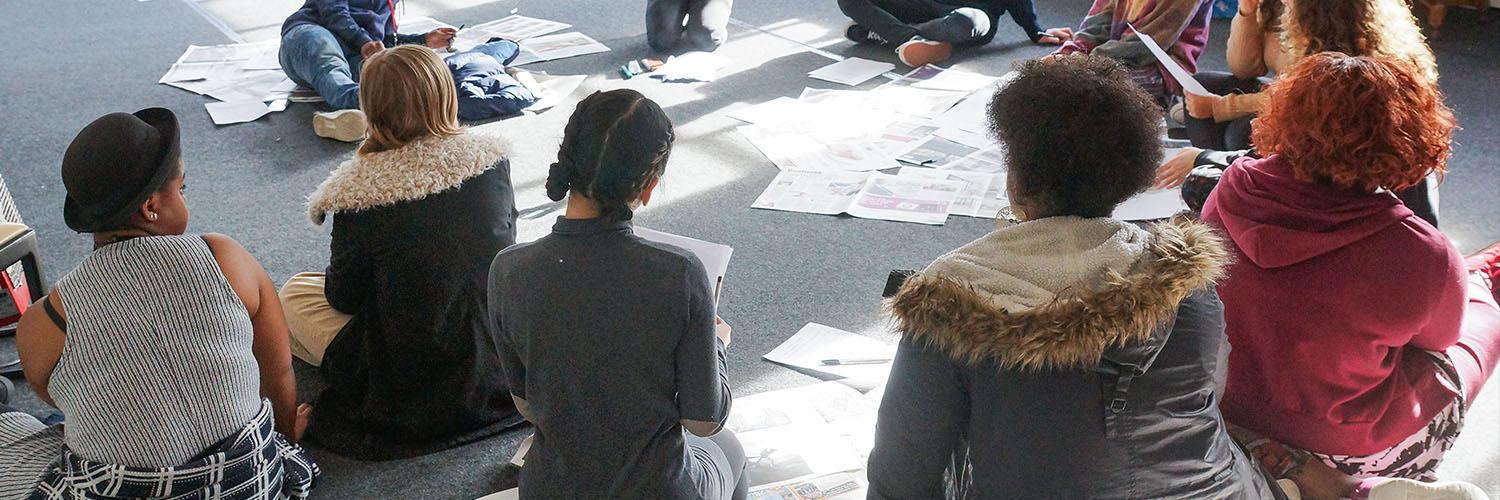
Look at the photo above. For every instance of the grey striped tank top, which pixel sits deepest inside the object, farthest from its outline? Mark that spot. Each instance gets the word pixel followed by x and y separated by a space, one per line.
pixel 156 364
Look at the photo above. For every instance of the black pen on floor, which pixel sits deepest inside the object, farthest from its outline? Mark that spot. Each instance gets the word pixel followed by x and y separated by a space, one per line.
pixel 855 361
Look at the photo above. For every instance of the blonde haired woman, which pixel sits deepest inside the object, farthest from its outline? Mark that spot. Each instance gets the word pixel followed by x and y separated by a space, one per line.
pixel 1272 35
pixel 397 322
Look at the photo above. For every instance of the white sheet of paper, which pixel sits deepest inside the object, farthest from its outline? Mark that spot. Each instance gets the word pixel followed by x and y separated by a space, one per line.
pixel 1189 84
pixel 420 25
pixel 1151 205
pixel 269 58
pixel 851 71
pixel 971 138
pixel 815 343
pixel 554 89
pixel 778 109
pixel 956 81
pixel 225 113
pixel 694 66
pixel 510 494
pixel 715 257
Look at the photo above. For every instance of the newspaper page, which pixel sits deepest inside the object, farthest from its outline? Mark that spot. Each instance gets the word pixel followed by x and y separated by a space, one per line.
pixel 936 152
pixel 827 192
pixel 553 47
pixel 836 486
pixel 793 437
pixel 922 201
pixel 237 73
pixel 798 149
pixel 982 195
pixel 990 159
pixel 515 28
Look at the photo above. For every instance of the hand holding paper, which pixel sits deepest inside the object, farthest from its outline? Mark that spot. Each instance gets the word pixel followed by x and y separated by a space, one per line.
pixel 1189 84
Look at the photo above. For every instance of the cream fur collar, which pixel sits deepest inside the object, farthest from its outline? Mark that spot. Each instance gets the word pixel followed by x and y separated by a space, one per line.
pixel 968 305
pixel 421 168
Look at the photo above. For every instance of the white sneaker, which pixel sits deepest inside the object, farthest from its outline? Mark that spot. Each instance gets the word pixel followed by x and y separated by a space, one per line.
pixel 1407 489
pixel 919 52
pixel 1290 488
pixel 346 125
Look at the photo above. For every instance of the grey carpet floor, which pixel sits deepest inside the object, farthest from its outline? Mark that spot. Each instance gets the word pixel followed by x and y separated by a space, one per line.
pixel 71 61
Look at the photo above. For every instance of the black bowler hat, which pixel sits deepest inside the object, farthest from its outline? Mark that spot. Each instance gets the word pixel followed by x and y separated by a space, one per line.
pixel 115 164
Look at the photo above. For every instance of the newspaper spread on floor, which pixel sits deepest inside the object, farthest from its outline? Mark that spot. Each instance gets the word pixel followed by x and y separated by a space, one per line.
pixel 806 442
pixel 243 76
pixel 829 143
pixel 932 123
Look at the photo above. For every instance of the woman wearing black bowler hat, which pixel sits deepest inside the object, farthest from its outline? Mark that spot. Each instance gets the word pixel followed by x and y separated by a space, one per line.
pixel 160 348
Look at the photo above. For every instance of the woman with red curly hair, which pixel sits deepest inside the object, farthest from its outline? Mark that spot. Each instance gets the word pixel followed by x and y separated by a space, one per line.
pixel 1360 333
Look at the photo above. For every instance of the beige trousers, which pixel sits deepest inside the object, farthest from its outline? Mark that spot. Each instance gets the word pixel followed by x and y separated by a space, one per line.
pixel 312 321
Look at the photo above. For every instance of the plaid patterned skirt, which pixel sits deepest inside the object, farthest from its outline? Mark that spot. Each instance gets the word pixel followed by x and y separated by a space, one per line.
pixel 255 463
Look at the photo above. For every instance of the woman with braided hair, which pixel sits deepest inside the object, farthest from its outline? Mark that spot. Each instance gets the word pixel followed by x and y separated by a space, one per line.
pixel 609 342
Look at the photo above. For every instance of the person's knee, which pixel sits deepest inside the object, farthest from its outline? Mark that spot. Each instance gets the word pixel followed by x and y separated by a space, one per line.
pixel 705 39
pixel 730 445
pixel 979 21
pixel 663 39
pixel 301 289
pixel 850 6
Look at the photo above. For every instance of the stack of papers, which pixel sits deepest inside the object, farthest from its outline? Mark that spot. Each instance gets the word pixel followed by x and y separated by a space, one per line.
pixel 851 71
pixel 239 74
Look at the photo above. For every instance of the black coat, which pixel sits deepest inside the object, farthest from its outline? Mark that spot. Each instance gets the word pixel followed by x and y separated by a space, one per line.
pixel 415 370
pixel 1101 393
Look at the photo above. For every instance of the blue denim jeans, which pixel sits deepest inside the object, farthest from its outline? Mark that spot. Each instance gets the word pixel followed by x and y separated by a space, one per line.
pixel 313 57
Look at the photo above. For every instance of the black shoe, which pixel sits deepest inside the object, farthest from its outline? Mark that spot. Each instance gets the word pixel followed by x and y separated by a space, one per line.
pixel 860 34
pixel 7 390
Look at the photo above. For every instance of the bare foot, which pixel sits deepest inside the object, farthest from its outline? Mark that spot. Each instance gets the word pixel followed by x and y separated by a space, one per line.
pixel 1318 481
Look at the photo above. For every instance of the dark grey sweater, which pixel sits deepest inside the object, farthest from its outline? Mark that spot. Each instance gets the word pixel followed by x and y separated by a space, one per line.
pixel 610 339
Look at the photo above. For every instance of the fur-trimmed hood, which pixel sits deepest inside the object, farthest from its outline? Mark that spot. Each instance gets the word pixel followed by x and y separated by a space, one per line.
pixel 422 167
pixel 970 305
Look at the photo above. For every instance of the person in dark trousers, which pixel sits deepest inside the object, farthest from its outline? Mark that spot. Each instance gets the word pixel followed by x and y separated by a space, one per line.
pixel 610 343
pixel 687 25
pixel 324 44
pixel 926 31
pixel 396 324
pixel 1070 355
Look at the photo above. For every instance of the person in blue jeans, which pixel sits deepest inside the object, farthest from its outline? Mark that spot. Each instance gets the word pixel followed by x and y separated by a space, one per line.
pixel 324 44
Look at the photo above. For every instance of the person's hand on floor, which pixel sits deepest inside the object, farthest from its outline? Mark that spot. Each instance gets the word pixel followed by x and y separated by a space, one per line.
pixel 304 414
pixel 1175 170
pixel 1200 107
pixel 441 37
pixel 722 330
pixel 1055 36
pixel 370 48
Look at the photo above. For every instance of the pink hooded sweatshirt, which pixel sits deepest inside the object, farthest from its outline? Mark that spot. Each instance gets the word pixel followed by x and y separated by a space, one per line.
pixel 1331 307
